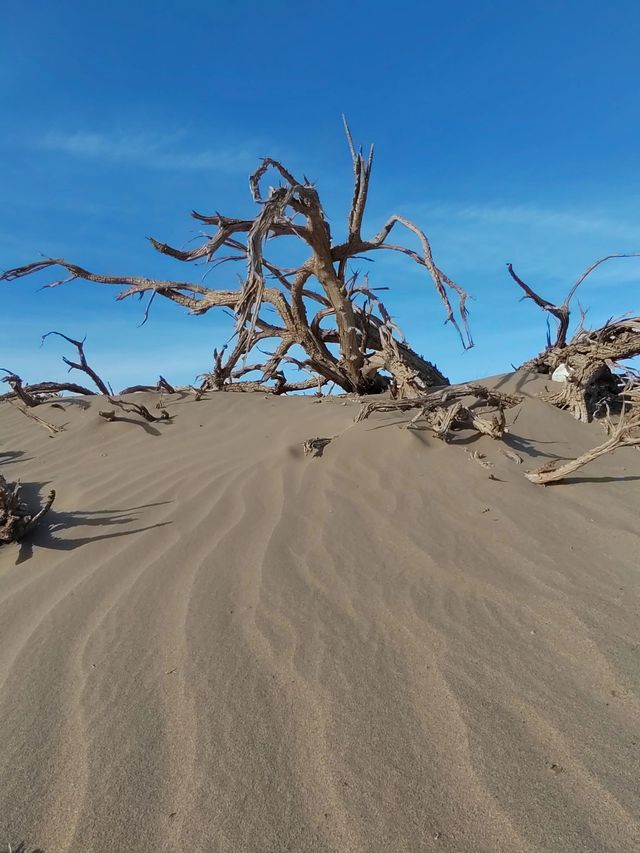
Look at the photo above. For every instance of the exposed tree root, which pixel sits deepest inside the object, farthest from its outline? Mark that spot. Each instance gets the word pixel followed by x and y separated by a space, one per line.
pixel 447 410
pixel 480 458
pixel 16 521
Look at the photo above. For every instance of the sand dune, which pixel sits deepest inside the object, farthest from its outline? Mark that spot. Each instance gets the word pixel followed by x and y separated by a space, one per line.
pixel 220 644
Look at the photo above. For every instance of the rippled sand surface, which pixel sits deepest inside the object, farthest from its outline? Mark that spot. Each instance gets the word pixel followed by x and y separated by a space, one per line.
pixel 223 645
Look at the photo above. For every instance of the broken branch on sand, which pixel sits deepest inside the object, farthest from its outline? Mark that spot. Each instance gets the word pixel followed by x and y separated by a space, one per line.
pixel 624 433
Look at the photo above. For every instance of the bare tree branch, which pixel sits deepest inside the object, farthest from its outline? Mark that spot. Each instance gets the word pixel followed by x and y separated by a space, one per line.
pixel 561 312
pixel 82 364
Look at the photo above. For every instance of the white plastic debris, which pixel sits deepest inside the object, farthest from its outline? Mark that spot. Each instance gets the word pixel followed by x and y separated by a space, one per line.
pixel 561 373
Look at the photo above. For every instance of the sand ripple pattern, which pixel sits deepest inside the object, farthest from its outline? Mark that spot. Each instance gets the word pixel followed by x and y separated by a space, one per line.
pixel 223 645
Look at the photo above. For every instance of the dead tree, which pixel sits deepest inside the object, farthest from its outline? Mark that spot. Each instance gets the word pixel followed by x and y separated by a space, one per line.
pixel 321 306
pixel 16 520
pixel 589 357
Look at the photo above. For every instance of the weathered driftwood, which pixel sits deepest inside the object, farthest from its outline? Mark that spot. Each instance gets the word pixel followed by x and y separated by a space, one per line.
pixel 589 356
pixel 339 322
pixel 562 313
pixel 448 409
pixel 16 520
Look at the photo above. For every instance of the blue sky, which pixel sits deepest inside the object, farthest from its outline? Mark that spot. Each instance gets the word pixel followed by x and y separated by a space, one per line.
pixel 508 131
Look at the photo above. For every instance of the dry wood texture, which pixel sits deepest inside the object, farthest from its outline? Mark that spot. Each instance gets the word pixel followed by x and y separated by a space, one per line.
pixel 452 408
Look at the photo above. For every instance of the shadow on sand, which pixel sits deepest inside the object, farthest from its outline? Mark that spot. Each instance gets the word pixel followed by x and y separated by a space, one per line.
pixel 576 480
pixel 7 456
pixel 46 533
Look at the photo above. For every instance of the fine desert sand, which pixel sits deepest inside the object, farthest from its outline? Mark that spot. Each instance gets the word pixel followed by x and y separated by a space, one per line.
pixel 216 643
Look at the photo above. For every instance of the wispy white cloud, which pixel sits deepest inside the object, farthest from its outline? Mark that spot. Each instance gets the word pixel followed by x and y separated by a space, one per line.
pixel 568 221
pixel 552 244
pixel 159 151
